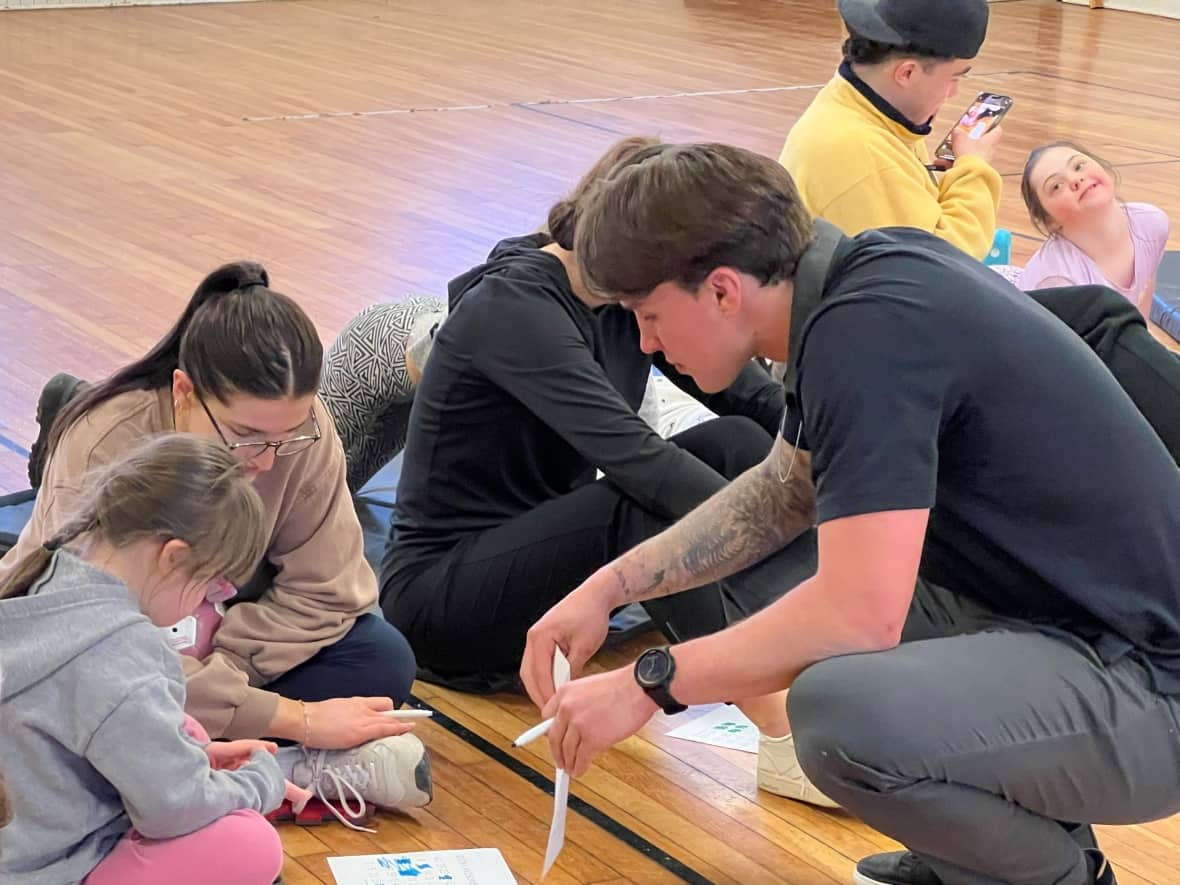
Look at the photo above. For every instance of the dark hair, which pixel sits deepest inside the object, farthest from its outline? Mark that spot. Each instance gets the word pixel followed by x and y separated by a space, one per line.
pixel 563 217
pixel 860 50
pixel 677 212
pixel 235 336
pixel 1041 219
pixel 170 486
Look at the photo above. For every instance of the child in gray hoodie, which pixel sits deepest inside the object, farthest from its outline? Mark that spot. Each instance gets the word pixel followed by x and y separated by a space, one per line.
pixel 106 784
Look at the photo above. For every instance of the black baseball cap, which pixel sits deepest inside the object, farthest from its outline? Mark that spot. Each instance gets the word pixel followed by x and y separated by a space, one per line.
pixel 951 28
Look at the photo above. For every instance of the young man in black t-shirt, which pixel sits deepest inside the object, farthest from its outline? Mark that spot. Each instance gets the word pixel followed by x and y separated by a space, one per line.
pixel 990 646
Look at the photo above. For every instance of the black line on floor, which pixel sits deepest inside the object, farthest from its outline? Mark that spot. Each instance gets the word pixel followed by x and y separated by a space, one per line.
pixel 1080 82
pixel 1129 165
pixel 581 806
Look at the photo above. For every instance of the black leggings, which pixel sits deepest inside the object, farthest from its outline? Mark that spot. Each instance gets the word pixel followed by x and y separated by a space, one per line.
pixel 468 613
pixel 1114 328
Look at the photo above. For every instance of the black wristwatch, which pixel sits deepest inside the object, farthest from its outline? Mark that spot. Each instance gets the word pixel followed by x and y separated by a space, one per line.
pixel 654 671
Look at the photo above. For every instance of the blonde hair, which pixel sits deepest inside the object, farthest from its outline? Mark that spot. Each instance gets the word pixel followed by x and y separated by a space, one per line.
pixel 173 486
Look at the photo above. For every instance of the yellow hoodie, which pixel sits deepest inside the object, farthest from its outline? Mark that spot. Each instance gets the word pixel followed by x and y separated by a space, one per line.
pixel 858 168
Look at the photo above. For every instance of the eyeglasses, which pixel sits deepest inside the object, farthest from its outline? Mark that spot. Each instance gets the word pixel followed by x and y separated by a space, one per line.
pixel 283 448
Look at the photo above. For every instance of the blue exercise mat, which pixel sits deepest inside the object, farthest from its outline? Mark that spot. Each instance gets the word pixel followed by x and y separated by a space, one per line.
pixel 15 511
pixel 1165 306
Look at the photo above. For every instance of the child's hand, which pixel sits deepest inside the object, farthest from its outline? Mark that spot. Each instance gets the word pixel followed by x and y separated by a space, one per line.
pixel 297 796
pixel 231 755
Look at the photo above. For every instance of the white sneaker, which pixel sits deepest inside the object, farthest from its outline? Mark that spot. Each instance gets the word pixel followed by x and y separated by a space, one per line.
pixel 779 772
pixel 391 773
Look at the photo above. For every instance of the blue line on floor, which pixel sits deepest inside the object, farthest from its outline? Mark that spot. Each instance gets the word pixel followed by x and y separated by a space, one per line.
pixel 6 443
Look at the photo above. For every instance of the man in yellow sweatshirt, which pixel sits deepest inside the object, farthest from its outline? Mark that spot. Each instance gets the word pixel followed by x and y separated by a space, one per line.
pixel 858 154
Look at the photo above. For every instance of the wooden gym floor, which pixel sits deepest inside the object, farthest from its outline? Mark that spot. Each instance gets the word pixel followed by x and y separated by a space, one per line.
pixel 366 149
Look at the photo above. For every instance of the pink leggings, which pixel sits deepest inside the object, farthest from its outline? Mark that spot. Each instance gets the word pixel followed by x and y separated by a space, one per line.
pixel 241 848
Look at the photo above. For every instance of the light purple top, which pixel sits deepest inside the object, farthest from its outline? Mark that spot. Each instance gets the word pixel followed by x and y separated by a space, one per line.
pixel 1058 257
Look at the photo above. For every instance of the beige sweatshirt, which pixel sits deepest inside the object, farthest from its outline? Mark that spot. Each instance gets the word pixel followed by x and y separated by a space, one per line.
pixel 323 582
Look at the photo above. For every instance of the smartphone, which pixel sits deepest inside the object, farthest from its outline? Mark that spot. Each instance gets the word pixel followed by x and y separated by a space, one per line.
pixel 986 111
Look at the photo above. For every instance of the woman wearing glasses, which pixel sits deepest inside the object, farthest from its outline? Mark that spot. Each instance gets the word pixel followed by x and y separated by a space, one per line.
pixel 298 655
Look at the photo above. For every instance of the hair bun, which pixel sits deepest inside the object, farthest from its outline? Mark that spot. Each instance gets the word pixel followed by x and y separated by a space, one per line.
pixel 251 273
pixel 560 226
pixel 231 277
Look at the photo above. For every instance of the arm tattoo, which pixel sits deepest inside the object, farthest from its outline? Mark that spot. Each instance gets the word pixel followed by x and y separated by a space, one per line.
pixel 621 577
pixel 647 592
pixel 754 516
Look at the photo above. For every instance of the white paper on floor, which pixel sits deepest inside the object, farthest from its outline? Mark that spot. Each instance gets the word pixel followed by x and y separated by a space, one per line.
pixel 561 783
pixel 723 726
pixel 471 866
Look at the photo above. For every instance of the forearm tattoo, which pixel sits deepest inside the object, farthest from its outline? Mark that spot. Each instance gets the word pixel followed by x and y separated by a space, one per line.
pixel 754 516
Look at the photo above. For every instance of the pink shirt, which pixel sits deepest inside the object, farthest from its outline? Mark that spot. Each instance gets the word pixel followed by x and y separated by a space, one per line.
pixel 1058 257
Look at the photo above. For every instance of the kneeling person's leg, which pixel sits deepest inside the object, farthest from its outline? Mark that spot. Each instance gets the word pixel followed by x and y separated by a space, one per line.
pixel 970 749
pixel 370 373
pixel 731 445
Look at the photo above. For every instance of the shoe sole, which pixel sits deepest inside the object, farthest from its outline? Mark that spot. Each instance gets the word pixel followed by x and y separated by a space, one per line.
pixel 58 391
pixel 790 790
pixel 859 878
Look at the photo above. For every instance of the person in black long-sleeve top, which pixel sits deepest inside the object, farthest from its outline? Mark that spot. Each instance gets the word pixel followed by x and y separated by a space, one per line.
pixel 532 388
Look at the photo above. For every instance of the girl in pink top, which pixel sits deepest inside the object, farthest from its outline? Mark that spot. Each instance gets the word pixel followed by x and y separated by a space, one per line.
pixel 1093 236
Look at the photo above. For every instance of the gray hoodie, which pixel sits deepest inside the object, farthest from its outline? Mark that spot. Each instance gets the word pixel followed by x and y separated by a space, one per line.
pixel 91 710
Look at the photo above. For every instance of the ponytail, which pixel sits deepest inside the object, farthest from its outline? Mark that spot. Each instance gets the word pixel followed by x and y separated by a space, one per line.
pixel 34 564
pixel 235 335
pixel 26 573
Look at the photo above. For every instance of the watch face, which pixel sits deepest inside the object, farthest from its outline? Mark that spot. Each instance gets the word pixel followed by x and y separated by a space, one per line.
pixel 652 667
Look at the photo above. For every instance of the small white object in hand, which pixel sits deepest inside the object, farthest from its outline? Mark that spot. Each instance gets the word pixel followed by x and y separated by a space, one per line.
pixel 561 783
pixel 409 714
pixel 533 733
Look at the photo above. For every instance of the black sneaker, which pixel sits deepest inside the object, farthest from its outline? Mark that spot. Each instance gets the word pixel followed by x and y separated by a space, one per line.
pixel 60 390
pixel 894 868
pixel 906 868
